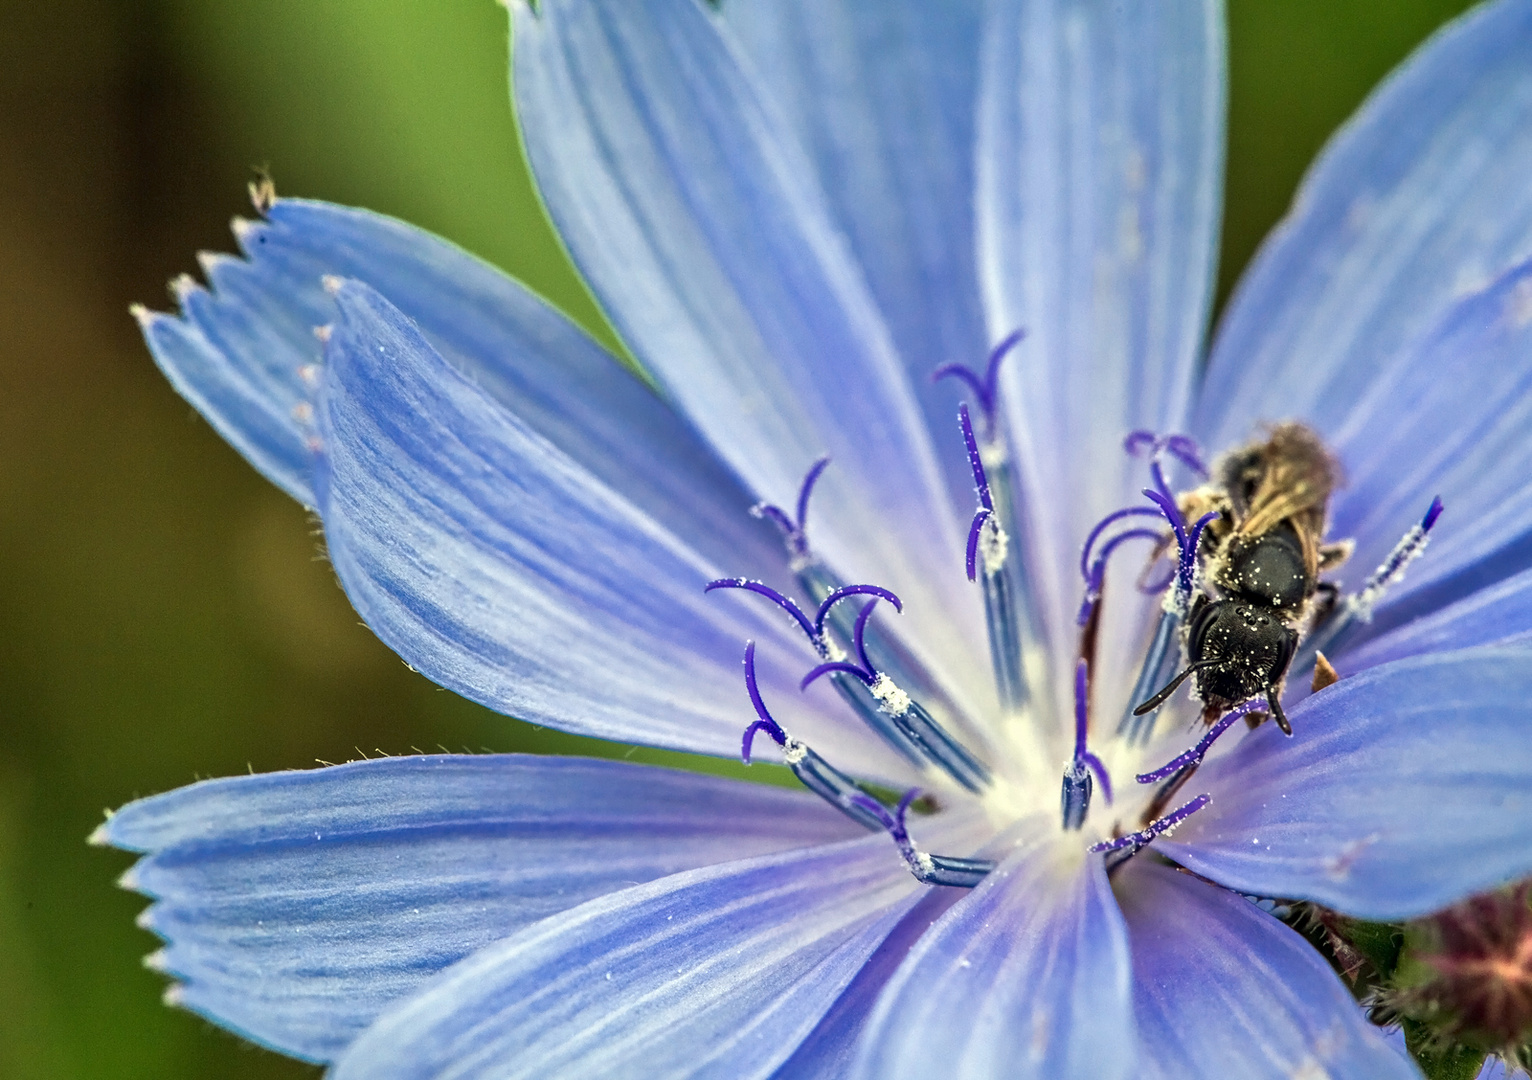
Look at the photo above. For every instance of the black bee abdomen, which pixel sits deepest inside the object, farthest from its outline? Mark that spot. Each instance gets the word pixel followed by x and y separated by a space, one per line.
pixel 1267 569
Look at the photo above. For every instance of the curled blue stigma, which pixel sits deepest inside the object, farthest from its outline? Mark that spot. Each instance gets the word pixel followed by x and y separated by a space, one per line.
pixel 1194 756
pixel 1075 796
pixel 813 771
pixel 960 873
pixel 1181 447
pixel 986 389
pixel 1001 614
pixel 1122 848
pixel 909 717
pixel 795 529
pixel 840 791
pixel 813 629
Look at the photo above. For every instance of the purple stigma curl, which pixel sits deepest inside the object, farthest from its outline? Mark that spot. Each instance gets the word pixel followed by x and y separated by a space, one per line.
pixel 930 869
pixel 813 771
pixel 893 822
pixel 795 529
pixel 1170 513
pixel 1185 450
pixel 975 532
pixel 1186 567
pixel 987 389
pixel 813 629
pixel 986 512
pixel 865 671
pixel 1181 447
pixel 765 722
pixel 1433 512
pixel 1133 841
pixel 975 461
pixel 854 590
pixel 1195 755
pixel 786 603
pixel 1082 730
pixel 1097 575
pixel 1102 525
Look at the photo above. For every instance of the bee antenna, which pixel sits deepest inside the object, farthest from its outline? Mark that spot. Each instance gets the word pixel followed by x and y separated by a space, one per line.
pixel 1171 687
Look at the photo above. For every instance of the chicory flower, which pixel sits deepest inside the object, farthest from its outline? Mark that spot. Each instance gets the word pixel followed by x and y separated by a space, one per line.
pixel 794 213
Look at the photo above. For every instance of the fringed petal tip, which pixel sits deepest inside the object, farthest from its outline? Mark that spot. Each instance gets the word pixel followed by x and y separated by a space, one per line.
pixel 295 907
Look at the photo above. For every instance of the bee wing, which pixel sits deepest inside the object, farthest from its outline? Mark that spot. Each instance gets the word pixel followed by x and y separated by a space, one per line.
pixel 1297 476
pixel 1290 492
pixel 1275 502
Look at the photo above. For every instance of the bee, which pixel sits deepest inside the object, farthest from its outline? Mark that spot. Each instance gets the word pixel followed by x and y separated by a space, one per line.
pixel 1262 557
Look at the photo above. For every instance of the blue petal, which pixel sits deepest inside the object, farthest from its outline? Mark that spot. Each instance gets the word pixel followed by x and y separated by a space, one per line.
pixel 1499 612
pixel 1220 988
pixel 238 355
pixel 1421 197
pixel 1404 790
pixel 296 906
pixel 251 412
pixel 1101 157
pixel 717 972
pixel 540 366
pixel 829 1050
pixel 500 568
pixel 694 214
pixel 881 93
pixel 1451 418
pixel 1026 977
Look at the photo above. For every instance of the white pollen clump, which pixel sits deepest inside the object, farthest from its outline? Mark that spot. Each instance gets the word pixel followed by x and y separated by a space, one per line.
pixel 891 699
pixel 924 862
pixel 794 751
pixel 833 652
pixel 993 545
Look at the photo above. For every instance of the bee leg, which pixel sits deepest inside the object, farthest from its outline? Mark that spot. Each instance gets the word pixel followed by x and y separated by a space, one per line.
pixel 1326 599
pixel 1273 699
pixel 1288 647
pixel 1334 554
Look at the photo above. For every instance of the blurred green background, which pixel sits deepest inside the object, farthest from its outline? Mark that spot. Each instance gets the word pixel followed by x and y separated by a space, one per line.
pixel 163 616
